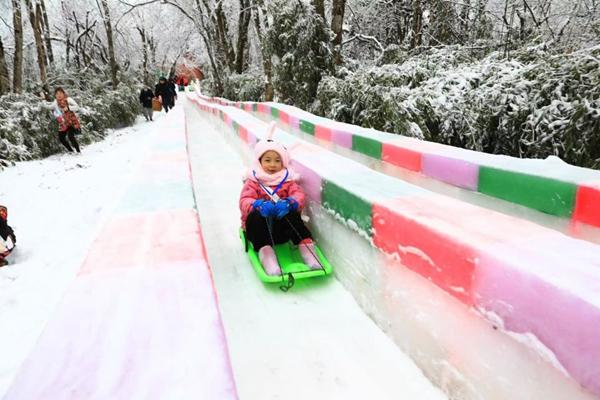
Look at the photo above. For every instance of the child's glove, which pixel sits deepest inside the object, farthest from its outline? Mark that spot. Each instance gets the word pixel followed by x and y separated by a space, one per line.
pixel 266 208
pixel 284 206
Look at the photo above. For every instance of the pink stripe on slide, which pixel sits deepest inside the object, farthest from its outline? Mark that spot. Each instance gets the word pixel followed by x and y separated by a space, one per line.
pixel 145 241
pixel 294 122
pixel 310 180
pixel 134 334
pixel 341 138
pixel 450 170
pixel 243 132
pixel 566 323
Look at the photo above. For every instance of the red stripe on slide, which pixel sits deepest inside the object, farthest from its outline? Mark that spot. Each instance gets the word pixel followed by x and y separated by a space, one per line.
pixel 587 205
pixel 401 157
pixel 433 255
pixel 323 133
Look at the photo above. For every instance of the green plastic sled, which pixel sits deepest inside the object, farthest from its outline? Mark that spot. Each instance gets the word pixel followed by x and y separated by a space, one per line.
pixel 290 261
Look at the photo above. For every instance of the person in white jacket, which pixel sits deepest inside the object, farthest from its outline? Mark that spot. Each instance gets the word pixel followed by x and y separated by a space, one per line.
pixel 64 109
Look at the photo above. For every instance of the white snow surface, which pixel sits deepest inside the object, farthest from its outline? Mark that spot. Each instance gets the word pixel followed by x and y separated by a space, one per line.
pixel 314 341
pixel 56 207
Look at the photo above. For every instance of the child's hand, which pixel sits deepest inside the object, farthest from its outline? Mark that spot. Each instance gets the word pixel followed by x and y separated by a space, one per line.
pixel 284 206
pixel 265 208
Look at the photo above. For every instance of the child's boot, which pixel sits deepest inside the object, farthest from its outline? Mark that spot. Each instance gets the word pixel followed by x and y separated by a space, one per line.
pixel 309 254
pixel 268 259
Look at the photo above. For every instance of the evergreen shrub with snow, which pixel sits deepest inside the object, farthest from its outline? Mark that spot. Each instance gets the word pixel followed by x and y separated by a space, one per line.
pixel 299 41
pixel 248 86
pixel 28 129
pixel 535 105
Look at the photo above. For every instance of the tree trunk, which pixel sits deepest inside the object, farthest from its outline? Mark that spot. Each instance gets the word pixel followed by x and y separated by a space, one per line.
pixel 18 56
pixel 320 7
pixel 337 21
pixel 417 24
pixel 4 78
pixel 223 37
pixel 144 55
pixel 208 34
pixel 47 32
pixel 67 47
pixel 36 26
pixel 111 47
pixel 243 22
pixel 266 57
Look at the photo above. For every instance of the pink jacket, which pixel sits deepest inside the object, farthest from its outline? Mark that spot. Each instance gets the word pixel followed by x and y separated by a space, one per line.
pixel 251 191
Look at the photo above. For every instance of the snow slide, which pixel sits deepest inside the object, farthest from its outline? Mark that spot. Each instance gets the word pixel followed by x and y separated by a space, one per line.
pixel 485 334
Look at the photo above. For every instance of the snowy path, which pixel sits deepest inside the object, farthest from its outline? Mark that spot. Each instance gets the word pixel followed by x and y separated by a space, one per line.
pixel 56 207
pixel 127 325
pixel 312 342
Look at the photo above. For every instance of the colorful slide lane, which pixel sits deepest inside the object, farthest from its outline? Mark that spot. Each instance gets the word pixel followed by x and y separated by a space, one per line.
pixel 141 319
pixel 535 280
pixel 554 188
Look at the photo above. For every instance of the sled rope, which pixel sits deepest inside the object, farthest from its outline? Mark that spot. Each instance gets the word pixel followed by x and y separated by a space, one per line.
pixel 284 286
pixel 307 248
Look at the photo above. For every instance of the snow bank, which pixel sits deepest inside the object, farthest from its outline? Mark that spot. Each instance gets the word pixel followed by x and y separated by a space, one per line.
pixel 488 263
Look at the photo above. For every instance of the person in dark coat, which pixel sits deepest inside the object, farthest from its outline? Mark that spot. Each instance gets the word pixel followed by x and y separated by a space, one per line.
pixel 146 96
pixel 8 240
pixel 165 93
pixel 173 88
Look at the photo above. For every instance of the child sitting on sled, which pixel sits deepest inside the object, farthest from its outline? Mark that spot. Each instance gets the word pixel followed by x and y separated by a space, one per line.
pixel 271 202
pixel 7 236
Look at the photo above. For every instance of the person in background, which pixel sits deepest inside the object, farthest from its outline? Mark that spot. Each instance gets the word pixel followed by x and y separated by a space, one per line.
pixel 165 93
pixel 64 109
pixel 173 88
pixel 146 96
pixel 8 240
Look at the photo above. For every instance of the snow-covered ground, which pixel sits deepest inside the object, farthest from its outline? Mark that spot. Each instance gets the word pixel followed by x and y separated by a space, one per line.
pixel 56 207
pixel 314 341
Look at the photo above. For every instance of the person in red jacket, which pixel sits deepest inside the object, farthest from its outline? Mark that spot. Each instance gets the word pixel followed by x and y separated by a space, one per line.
pixel 7 236
pixel 271 202
pixel 64 109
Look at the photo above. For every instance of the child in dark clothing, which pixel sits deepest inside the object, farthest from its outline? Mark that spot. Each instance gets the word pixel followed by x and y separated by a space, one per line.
pixel 7 236
pixel 270 203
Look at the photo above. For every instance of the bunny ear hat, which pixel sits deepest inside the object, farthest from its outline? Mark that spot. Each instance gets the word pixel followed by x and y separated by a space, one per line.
pixel 268 144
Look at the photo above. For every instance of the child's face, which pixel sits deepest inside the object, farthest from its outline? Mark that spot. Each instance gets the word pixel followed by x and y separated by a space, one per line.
pixel 3 213
pixel 60 96
pixel 271 162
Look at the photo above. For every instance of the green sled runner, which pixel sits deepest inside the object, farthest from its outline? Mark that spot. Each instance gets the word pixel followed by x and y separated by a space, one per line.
pixel 290 261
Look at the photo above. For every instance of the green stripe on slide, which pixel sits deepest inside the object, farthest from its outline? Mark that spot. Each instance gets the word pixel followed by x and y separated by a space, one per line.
pixel 307 127
pixel 348 205
pixel 368 146
pixel 544 194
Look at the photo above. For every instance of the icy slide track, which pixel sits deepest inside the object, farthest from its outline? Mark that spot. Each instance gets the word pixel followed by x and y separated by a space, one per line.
pixel 313 342
pixel 540 308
